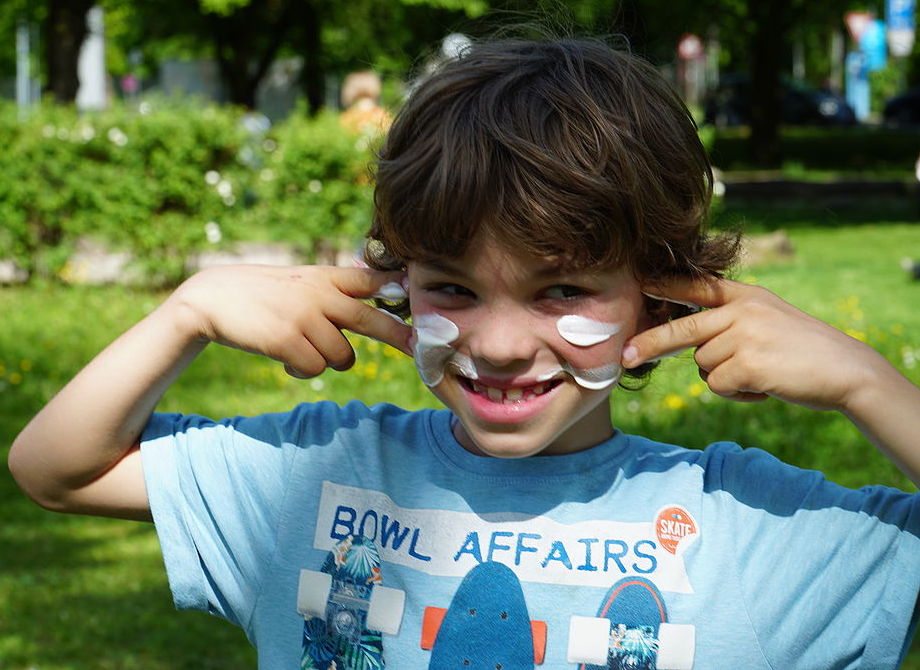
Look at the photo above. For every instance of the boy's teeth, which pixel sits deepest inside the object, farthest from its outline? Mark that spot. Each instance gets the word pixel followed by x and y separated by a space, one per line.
pixel 508 395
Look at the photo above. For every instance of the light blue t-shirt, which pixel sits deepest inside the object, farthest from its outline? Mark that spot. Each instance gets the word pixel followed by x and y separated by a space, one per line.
pixel 772 566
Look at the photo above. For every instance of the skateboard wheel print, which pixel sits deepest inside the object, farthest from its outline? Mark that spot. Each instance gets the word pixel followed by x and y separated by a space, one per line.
pixel 312 593
pixel 589 640
pixel 385 610
pixel 676 646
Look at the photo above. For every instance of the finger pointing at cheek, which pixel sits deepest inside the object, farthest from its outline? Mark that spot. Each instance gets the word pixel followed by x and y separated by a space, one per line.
pixel 674 336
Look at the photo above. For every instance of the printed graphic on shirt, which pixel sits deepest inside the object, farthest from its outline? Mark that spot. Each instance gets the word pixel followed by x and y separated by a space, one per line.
pixel 486 625
pixel 634 632
pixel 449 543
pixel 676 529
pixel 339 640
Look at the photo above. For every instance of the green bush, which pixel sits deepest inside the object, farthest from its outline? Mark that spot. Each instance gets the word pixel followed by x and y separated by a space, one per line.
pixel 315 189
pixel 843 149
pixel 171 179
pixel 134 181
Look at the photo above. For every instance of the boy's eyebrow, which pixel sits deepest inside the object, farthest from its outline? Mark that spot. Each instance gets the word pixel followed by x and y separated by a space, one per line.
pixel 442 266
pixel 552 269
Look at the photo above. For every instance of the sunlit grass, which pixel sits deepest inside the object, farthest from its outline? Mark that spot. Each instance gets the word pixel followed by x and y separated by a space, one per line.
pixel 82 593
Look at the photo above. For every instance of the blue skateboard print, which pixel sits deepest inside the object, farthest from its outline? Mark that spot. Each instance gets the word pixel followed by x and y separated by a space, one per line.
pixel 340 638
pixel 486 625
pixel 631 632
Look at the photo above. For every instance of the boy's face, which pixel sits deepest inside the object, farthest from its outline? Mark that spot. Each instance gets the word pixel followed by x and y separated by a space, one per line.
pixel 524 352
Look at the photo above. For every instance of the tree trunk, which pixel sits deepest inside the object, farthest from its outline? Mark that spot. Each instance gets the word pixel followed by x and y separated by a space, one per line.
pixel 64 31
pixel 313 77
pixel 771 27
pixel 242 62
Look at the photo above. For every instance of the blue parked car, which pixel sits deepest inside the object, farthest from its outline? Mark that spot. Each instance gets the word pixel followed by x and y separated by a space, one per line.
pixel 903 109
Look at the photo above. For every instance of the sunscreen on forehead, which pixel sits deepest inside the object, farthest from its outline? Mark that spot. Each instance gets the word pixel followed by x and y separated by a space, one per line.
pixel 433 334
pixel 583 332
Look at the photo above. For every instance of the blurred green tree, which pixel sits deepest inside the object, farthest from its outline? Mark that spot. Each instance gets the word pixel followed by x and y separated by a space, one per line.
pixel 245 36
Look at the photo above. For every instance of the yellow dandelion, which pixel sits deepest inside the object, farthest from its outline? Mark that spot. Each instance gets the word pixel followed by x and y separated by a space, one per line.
pixel 25 365
pixel 674 402
pixel 856 334
pixel 373 346
pixel 849 305
pixel 897 329
pixel 15 378
pixel 696 389
pixel 370 370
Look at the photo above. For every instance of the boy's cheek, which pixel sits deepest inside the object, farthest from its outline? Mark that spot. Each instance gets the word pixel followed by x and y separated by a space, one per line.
pixel 594 356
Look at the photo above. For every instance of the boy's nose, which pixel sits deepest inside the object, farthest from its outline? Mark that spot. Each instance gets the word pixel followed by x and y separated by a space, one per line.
pixel 507 337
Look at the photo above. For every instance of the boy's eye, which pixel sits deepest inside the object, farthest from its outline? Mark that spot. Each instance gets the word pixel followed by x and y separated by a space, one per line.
pixel 450 289
pixel 563 292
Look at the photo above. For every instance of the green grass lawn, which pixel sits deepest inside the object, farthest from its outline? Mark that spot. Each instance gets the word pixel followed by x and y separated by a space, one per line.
pixel 81 593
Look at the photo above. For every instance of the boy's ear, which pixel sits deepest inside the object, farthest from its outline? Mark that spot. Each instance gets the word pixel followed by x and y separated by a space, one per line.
pixel 654 313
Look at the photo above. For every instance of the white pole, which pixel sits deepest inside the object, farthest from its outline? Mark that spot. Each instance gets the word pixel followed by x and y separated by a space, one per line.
pixel 23 79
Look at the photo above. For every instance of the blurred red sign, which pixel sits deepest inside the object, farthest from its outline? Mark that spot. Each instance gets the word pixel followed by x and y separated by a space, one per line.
pixel 690 47
pixel 857 23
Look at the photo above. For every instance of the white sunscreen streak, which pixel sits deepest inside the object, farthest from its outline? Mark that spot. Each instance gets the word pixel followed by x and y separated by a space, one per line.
pixel 592 379
pixel 433 334
pixel 691 305
pixel 391 291
pixel 595 379
pixel 583 332
pixel 464 365
pixel 395 317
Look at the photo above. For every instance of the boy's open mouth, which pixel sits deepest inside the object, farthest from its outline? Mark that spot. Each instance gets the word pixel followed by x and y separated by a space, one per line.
pixel 509 395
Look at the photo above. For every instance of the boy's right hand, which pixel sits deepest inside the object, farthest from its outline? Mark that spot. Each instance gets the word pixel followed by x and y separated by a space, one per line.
pixel 294 315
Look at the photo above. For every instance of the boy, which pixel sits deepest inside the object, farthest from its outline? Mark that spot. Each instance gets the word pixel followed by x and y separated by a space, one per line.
pixel 539 204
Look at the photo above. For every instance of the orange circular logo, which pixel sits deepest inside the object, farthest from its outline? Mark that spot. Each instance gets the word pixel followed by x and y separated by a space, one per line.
pixel 672 525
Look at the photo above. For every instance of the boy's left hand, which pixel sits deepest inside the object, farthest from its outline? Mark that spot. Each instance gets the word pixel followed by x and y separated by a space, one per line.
pixel 750 344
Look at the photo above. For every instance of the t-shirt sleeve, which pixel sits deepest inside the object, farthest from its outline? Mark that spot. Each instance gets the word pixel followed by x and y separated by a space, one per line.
pixel 216 492
pixel 826 572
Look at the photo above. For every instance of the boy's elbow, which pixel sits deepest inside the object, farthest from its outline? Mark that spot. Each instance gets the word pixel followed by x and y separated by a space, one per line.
pixel 38 485
pixel 118 492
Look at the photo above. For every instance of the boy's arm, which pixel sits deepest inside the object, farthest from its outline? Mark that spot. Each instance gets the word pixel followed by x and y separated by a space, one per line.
pixel 751 345
pixel 80 452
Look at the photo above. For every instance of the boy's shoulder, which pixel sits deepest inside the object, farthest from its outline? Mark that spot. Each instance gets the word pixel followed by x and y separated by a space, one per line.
pixel 305 424
pixel 758 480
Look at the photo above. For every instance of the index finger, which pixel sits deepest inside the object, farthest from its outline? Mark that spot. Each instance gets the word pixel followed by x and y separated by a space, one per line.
pixel 365 283
pixel 378 324
pixel 356 315
pixel 701 292
pixel 672 337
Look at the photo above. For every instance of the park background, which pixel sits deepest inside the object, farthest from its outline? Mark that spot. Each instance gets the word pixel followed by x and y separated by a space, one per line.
pixel 213 134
